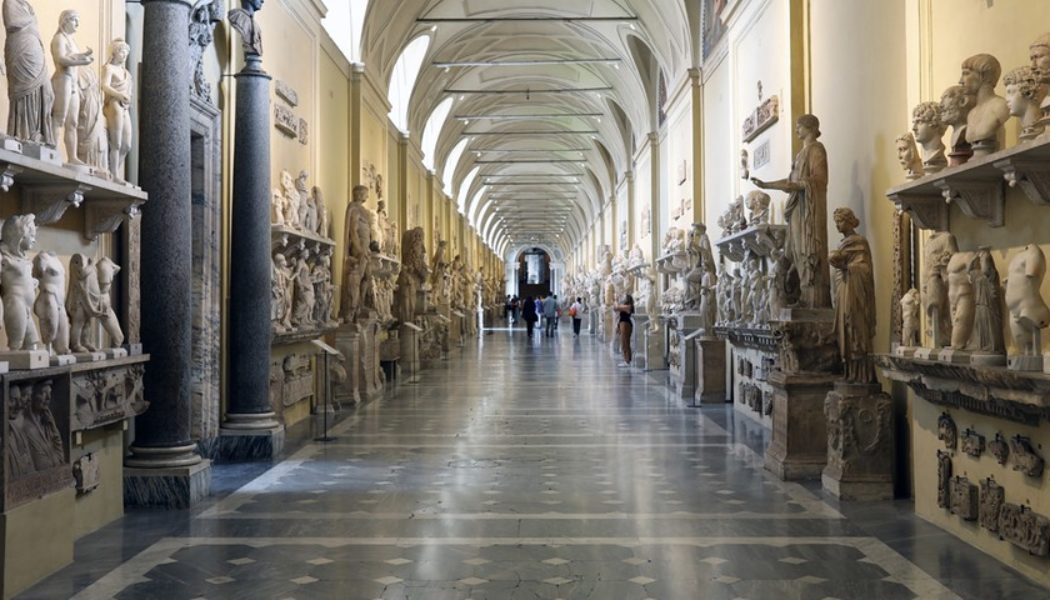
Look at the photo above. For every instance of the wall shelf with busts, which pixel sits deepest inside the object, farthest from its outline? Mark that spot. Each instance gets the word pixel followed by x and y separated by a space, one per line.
pixel 760 240
pixel 978 186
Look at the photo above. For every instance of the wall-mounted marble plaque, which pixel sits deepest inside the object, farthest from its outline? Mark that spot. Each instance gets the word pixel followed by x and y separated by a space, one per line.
pixel 1026 460
pixel 1025 529
pixel 972 443
pixel 86 473
pixel 762 119
pixel 286 92
pixel 964 499
pixel 286 121
pixel 947 432
pixel 944 478
pixel 993 496
pixel 999 448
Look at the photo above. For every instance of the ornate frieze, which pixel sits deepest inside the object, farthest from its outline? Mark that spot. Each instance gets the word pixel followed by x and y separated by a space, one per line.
pixel 1025 529
pixel 108 395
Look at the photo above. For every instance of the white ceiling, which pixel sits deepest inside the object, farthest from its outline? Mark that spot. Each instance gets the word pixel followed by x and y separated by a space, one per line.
pixel 547 162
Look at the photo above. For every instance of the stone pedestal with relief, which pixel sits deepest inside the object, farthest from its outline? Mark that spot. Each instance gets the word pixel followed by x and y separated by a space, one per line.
pixel 860 442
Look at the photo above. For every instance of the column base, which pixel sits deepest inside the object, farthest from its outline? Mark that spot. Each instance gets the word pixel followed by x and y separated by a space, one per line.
pixel 798 450
pixel 860 443
pixel 251 444
pixel 170 487
pixel 250 422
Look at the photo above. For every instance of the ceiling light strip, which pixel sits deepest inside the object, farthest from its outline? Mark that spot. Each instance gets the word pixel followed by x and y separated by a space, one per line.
pixel 587 90
pixel 526 19
pixel 538 62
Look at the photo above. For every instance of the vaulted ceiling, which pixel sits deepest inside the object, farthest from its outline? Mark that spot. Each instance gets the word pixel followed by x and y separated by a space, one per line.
pixel 552 97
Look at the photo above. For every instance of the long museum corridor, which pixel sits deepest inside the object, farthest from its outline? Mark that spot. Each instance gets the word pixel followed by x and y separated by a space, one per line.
pixel 529 469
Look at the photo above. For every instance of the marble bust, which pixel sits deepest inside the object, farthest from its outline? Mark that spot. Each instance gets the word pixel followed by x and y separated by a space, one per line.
pixel 1039 54
pixel 955 109
pixel 243 20
pixel 984 123
pixel 1024 98
pixel 908 156
pixel 928 129
pixel 758 206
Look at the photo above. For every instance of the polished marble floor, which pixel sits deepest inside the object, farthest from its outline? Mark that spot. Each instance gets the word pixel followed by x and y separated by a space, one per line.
pixel 527 469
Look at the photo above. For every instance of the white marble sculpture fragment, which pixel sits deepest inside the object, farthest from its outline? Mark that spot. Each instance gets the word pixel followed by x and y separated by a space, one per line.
pixel 758 207
pixel 50 305
pixel 960 298
pixel 17 285
pixel 107 273
pixel 1029 314
pixel 30 94
pixel 83 302
pixel 938 251
pixel 65 113
pixel 928 129
pixel 910 305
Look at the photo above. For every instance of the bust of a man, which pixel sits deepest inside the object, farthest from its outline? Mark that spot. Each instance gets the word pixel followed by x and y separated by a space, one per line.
pixel 955 108
pixel 908 156
pixel 928 129
pixel 243 20
pixel 984 124
pixel 1024 97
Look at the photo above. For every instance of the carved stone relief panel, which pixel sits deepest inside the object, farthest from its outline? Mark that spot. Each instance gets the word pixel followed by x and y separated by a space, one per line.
pixel 944 478
pixel 86 473
pixel 1026 460
pixel 298 379
pixel 286 121
pixel 106 396
pixel 999 448
pixel 286 92
pixel 1025 529
pixel 947 432
pixel 35 437
pixel 993 496
pixel 972 443
pixel 964 499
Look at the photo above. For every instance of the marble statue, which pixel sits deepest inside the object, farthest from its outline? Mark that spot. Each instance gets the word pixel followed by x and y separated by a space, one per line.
pixel 307 208
pixel 855 299
pixel 956 105
pixel 243 21
pixel 674 241
pixel 928 129
pixel 117 87
pixel 960 298
pixel 937 252
pixel 1039 53
pixel 19 461
pixel 778 282
pixel 92 138
pixel 806 214
pixel 1029 314
pixel 389 228
pixel 988 299
pixel 652 297
pixel 305 302
pixel 636 258
pixel 83 302
pixel 35 443
pixel 378 228
pixel 708 302
pixel 321 277
pixel 277 206
pixel 324 216
pixel 910 318
pixel 17 285
pixel 357 260
pixel 68 58
pixel 1024 98
pixel 984 123
pixel 50 305
pixel 735 218
pixel 29 90
pixel 291 200
pixel 908 156
pixel 758 207
pixel 107 272
pixel 281 294
pixel 414 272
pixel 440 278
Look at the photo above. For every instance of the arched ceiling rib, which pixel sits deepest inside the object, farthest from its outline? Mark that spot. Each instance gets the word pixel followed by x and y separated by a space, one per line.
pixel 549 95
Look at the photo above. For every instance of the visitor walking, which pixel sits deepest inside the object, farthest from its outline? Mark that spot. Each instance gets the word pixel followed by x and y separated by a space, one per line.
pixel 528 314
pixel 550 315
pixel 576 313
pixel 557 310
pixel 625 326
pixel 515 305
pixel 507 309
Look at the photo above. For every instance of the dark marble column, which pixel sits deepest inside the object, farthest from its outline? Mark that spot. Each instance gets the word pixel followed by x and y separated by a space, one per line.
pixel 250 429
pixel 164 468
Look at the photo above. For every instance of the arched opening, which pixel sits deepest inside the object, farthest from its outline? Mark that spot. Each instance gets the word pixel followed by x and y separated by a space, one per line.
pixel 345 22
pixel 431 132
pixel 403 80
pixel 450 169
pixel 534 273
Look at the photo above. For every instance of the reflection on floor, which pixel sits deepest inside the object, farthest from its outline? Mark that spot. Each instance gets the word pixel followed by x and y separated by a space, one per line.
pixel 528 469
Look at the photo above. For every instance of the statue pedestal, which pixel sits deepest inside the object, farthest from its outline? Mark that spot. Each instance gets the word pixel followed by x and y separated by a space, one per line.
pixel 346 342
pixel 710 355
pixel 860 442
pixel 455 328
pixel 682 353
pixel 799 448
pixel 370 377
pixel 607 327
pixel 408 337
pixel 641 357
pixel 24 360
pixel 653 348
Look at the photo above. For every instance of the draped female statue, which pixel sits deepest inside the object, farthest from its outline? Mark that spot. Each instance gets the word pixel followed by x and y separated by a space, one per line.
pixel 854 299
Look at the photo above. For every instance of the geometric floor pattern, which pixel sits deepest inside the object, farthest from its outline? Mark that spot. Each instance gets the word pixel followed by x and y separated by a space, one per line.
pixel 529 469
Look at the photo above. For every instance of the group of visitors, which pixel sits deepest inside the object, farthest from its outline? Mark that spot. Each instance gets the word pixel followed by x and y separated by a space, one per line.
pixel 547 307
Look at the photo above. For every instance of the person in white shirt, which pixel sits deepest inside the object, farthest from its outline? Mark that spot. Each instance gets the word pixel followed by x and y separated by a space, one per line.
pixel 576 312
